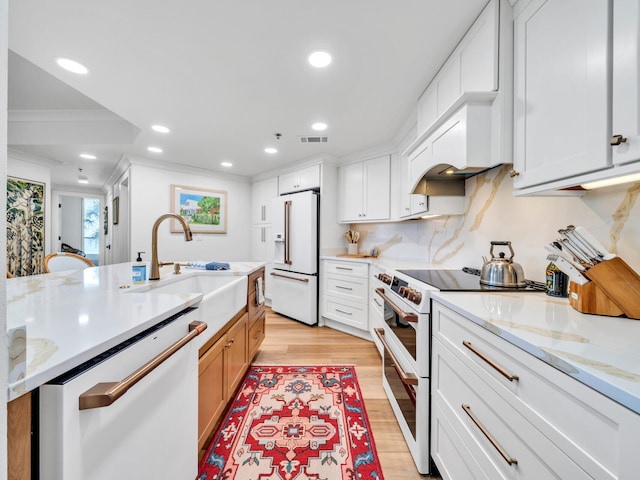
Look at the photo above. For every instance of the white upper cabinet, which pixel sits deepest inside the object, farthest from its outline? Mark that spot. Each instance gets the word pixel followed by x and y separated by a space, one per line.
pixel 576 97
pixel 262 194
pixel 303 179
pixel 626 75
pixel 365 190
pixel 561 100
pixel 410 204
pixel 472 68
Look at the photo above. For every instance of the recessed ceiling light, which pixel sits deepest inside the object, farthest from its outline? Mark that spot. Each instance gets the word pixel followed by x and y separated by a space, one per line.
pixel 160 128
pixel 226 164
pixel 72 66
pixel 271 150
pixel 154 149
pixel 319 59
pixel 319 126
pixel 88 156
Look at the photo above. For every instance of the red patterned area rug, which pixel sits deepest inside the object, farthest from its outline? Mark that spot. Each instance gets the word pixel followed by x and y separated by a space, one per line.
pixel 294 423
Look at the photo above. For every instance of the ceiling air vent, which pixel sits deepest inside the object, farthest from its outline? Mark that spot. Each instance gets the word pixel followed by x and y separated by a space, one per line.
pixel 313 139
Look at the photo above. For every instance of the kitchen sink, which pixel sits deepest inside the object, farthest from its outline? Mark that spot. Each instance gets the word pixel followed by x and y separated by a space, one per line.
pixel 189 284
pixel 223 296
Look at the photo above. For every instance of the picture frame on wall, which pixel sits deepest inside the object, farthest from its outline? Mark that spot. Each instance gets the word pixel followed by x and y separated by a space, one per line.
pixel 25 226
pixel 204 210
pixel 116 210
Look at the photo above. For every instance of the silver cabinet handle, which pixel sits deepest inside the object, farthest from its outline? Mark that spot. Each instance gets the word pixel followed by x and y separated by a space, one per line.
pixel 343 311
pixel 104 394
pixel 344 268
pixel 496 445
pixel 343 288
pixel 377 302
pixel 509 376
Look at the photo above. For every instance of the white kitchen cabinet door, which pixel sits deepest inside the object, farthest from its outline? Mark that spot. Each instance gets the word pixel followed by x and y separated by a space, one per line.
pixel 365 190
pixel 410 203
pixel 262 243
pixel 303 179
pixel 262 194
pixel 561 90
pixel 626 74
pixel 479 53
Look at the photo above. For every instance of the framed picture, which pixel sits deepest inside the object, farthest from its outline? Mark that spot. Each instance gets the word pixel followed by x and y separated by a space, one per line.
pixel 116 210
pixel 25 226
pixel 205 211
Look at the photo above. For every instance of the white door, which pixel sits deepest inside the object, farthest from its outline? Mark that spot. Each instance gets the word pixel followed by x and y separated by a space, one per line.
pixel 561 90
pixel 626 75
pixel 376 201
pixel 351 192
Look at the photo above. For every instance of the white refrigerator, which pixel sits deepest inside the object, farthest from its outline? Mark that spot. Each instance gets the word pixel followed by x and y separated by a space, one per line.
pixel 294 280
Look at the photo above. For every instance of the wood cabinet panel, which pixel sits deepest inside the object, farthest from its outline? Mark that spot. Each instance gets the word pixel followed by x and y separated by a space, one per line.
pixel 212 389
pixel 19 438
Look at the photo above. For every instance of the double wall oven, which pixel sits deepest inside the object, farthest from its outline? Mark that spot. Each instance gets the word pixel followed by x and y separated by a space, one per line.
pixel 402 332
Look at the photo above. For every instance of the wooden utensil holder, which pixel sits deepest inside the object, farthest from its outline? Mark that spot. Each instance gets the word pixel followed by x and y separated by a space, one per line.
pixel 614 290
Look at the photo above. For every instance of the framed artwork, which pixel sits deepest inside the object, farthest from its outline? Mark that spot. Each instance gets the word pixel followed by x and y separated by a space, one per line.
pixel 25 226
pixel 205 211
pixel 116 210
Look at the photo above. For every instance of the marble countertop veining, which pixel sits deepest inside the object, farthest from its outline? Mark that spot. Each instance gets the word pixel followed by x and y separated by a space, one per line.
pixel 601 352
pixel 67 318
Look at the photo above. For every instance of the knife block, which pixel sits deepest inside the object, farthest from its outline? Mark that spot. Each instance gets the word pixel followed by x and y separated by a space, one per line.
pixel 614 290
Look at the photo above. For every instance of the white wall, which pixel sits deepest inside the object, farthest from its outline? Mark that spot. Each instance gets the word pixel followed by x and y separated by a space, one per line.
pixel 492 213
pixel 150 197
pixel 4 46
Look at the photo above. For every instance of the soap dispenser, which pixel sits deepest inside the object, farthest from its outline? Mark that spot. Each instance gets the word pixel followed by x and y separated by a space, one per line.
pixel 139 270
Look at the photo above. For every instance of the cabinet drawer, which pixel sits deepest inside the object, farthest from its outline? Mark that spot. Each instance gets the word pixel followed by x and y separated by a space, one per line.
pixel 586 425
pixel 256 335
pixel 356 269
pixel 503 442
pixel 345 287
pixel 343 311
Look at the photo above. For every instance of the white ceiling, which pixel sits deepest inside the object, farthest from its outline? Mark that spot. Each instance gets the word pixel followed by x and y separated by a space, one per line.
pixel 224 75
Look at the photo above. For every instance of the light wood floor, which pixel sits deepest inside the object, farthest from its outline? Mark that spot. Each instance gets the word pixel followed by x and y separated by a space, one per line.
pixel 289 342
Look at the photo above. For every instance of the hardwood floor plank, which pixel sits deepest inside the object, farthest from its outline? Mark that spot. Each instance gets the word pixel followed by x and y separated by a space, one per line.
pixel 288 342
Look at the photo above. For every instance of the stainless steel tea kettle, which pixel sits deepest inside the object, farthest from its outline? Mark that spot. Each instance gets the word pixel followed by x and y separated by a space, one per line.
pixel 501 271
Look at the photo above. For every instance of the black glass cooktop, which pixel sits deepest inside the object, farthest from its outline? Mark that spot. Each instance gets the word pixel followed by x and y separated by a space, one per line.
pixel 465 280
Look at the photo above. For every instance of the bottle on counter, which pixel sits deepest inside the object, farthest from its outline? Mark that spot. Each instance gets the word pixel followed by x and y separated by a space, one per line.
pixel 557 281
pixel 139 270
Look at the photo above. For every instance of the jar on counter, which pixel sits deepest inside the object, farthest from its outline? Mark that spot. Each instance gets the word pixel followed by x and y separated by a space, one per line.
pixel 557 281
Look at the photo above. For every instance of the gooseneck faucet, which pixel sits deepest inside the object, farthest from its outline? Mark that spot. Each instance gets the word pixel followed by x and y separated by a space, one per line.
pixel 155 266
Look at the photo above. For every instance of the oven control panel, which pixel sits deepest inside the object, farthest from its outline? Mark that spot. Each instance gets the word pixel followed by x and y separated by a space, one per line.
pixel 403 289
pixel 384 278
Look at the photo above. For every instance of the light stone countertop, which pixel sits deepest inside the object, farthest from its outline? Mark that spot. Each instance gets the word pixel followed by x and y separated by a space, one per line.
pixel 70 317
pixel 601 352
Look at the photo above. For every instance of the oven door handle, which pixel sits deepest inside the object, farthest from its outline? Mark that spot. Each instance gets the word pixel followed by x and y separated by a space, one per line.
pixel 407 378
pixel 407 317
pixel 104 394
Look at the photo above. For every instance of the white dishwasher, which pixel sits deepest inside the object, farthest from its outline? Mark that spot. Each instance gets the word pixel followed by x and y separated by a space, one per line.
pixel 147 428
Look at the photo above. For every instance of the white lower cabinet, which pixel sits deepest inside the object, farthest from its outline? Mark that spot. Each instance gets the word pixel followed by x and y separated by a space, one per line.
pixel 344 296
pixel 498 412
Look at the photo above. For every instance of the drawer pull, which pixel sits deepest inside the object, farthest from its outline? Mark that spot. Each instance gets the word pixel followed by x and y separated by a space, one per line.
pixel 343 311
pixel 344 268
pixel 507 458
pixel 343 288
pixel 406 378
pixel 509 376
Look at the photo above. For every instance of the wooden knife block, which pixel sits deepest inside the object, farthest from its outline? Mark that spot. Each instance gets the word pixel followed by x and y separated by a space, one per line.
pixel 614 290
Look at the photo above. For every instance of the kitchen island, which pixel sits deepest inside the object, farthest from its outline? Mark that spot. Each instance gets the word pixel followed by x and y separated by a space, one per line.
pixel 59 321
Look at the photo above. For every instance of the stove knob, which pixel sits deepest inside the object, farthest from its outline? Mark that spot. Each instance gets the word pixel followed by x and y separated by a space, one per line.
pixel 383 277
pixel 402 291
pixel 417 297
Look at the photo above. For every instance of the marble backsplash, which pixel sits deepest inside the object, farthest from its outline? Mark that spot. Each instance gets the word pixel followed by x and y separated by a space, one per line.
pixel 612 215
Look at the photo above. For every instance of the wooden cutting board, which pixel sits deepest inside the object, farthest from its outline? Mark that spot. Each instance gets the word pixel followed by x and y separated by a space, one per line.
pixel 620 283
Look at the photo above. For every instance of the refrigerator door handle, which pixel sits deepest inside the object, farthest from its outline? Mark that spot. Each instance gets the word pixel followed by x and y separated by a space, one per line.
pixel 287 225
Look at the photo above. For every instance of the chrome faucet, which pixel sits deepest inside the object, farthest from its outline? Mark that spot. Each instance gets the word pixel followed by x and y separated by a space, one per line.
pixel 155 266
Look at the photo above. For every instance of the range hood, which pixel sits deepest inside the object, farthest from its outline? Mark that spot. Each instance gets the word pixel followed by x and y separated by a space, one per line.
pixel 458 148
pixel 445 179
